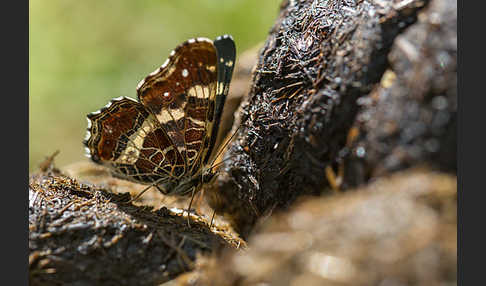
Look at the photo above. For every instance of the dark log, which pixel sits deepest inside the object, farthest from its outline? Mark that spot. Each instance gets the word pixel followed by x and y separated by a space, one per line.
pixel 399 230
pixel 410 117
pixel 320 59
pixel 86 236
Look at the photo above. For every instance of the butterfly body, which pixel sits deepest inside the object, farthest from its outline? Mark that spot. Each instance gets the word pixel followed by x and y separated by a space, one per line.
pixel 166 138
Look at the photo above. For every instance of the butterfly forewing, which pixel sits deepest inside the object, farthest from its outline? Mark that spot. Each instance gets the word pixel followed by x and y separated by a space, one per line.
pixel 226 54
pixel 179 95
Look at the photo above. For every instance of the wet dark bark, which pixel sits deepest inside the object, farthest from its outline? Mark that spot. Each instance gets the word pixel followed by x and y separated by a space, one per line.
pixel 410 117
pixel 400 229
pixel 87 236
pixel 321 61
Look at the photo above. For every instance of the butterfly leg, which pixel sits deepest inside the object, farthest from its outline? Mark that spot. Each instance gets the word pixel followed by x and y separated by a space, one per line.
pixel 190 204
pixel 212 218
pixel 139 194
pixel 335 180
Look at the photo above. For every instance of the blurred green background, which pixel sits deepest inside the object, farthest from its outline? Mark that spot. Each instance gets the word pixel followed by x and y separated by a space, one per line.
pixel 83 53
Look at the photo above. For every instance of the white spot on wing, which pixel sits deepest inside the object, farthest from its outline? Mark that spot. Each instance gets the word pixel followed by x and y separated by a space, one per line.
pixel 89 122
pixel 165 63
pixel 220 88
pixel 154 72
pixel 224 37
pixel 185 72
pixel 166 93
pixel 191 41
pixel 87 136
pixel 140 83
pixel 202 39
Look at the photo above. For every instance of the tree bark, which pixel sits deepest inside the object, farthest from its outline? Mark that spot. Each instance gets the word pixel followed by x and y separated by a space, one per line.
pixel 302 122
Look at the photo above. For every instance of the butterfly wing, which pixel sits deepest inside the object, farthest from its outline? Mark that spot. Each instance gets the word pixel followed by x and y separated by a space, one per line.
pixel 127 138
pixel 226 55
pixel 184 96
pixel 172 130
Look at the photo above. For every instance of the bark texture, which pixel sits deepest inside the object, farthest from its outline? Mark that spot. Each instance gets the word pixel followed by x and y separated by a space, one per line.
pixel 322 59
pixel 399 230
pixel 87 236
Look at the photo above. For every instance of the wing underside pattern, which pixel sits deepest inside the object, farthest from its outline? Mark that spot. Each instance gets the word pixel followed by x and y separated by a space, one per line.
pixel 181 95
pixel 170 131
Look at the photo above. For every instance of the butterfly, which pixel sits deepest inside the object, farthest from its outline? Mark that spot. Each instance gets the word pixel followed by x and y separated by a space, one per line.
pixel 166 137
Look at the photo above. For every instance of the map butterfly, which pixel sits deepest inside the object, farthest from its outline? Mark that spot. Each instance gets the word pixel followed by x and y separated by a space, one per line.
pixel 165 139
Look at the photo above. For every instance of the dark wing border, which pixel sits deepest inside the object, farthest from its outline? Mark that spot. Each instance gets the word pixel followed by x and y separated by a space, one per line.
pixel 226 55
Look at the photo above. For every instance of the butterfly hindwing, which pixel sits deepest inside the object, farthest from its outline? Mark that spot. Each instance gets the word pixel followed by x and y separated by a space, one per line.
pixel 127 138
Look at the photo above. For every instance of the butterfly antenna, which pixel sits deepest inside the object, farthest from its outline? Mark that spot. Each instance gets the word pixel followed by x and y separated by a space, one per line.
pixel 220 151
pixel 220 163
pixel 189 208
pixel 212 218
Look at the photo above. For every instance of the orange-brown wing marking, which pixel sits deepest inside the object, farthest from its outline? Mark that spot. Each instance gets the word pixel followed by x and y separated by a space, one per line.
pixel 178 94
pixel 128 139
